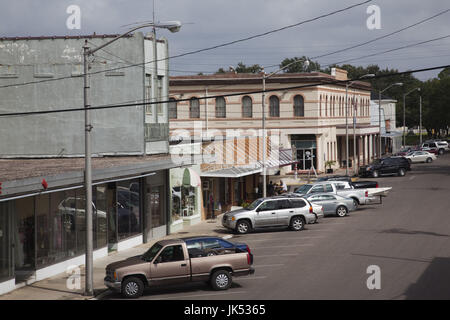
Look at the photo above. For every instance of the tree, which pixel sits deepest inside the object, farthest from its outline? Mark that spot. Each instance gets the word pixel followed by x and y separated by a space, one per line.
pixel 299 66
pixel 242 68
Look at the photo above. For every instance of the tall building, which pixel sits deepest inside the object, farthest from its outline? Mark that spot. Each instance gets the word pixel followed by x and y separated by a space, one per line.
pixel 42 195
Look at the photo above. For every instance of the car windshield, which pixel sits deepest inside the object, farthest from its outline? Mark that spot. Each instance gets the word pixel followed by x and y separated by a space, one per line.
pixel 254 204
pixel 410 153
pixel 304 188
pixel 152 252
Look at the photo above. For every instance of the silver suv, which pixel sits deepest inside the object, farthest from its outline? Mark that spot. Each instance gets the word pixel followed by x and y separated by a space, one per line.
pixel 278 211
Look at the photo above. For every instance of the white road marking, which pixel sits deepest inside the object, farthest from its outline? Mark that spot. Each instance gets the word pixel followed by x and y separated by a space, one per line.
pixel 412 177
pixel 229 236
pixel 277 255
pixel 269 265
pixel 289 239
pixel 200 295
pixel 298 245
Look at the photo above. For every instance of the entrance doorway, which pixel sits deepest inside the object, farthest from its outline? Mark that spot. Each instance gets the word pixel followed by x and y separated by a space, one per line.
pixel 24 241
pixel 111 201
pixel 155 219
pixel 306 159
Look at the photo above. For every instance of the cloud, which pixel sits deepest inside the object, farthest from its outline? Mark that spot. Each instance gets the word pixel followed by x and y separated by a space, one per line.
pixel 211 22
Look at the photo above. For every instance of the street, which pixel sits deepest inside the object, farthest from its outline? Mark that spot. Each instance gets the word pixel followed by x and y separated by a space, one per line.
pixel 407 237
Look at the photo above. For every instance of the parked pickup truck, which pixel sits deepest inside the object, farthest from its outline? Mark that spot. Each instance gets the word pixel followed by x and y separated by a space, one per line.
pixel 170 262
pixel 356 184
pixel 342 188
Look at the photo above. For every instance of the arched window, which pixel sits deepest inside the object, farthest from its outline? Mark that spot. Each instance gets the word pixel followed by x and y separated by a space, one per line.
pixel 194 108
pixel 274 106
pixel 220 107
pixel 247 107
pixel 299 106
pixel 172 108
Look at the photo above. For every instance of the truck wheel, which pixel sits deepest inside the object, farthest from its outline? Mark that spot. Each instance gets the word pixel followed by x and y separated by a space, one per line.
pixel 355 203
pixel 341 211
pixel 221 280
pixel 242 227
pixel 401 172
pixel 132 287
pixel 375 174
pixel 297 223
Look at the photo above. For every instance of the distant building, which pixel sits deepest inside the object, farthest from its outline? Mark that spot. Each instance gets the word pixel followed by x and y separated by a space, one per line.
pixel 391 136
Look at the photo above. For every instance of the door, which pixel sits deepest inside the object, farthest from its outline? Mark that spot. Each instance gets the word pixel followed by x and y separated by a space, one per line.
pixel 24 239
pixel 266 214
pixel 155 225
pixel 170 266
pixel 328 202
pixel 285 211
pixel 111 213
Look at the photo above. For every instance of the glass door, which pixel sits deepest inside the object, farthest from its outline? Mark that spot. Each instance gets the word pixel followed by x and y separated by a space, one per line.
pixel 24 240
pixel 6 260
pixel 111 211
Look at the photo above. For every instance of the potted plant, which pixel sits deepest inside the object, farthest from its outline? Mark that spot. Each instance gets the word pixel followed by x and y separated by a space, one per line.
pixel 328 164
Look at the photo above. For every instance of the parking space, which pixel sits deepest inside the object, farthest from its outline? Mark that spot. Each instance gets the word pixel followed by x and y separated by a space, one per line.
pixel 407 236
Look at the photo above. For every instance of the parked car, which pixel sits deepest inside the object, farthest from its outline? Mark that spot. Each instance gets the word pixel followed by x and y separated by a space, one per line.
pixel 420 156
pixel 332 204
pixel 432 147
pixel 443 144
pixel 278 211
pixel 406 150
pixel 386 166
pixel 168 262
pixel 211 246
pixel 342 188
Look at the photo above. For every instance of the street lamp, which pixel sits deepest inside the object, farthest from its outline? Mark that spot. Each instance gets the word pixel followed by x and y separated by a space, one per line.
pixel 172 26
pixel 369 75
pixel 306 64
pixel 379 114
pixel 404 114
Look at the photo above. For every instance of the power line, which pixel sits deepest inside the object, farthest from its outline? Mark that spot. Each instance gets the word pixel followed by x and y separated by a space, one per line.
pixel 200 50
pixel 216 96
pixel 376 39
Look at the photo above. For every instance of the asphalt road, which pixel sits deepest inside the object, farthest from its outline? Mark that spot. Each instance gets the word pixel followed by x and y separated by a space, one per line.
pixel 407 237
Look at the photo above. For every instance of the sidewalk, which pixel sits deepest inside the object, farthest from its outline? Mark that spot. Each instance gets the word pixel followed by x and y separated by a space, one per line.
pixel 55 288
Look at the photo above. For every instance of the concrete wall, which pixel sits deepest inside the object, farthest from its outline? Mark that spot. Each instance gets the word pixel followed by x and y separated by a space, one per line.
pixel 116 131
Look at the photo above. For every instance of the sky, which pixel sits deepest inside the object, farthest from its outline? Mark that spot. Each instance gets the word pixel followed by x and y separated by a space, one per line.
pixel 207 23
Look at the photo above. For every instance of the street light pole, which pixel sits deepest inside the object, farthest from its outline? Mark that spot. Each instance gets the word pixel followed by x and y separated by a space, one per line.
pixel 404 113
pixel 420 119
pixel 369 75
pixel 263 96
pixel 173 26
pixel 379 114
pixel 264 135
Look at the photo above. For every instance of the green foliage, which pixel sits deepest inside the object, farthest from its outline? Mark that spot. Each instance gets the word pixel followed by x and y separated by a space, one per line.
pixel 299 66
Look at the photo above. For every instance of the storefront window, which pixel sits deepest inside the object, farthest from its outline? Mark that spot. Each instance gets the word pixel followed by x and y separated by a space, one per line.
pixel 6 269
pixel 128 208
pixel 188 201
pixel 176 203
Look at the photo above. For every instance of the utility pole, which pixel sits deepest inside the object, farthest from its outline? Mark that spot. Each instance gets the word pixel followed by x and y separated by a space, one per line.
pixel 89 290
pixel 420 119
pixel 264 135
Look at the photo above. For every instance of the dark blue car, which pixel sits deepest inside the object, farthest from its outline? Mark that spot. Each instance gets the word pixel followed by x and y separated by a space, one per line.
pixel 207 246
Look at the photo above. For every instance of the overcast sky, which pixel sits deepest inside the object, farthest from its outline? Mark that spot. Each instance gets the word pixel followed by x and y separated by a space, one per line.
pixel 211 22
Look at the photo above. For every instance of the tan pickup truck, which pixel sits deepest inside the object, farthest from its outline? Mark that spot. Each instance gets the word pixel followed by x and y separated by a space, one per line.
pixel 170 262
